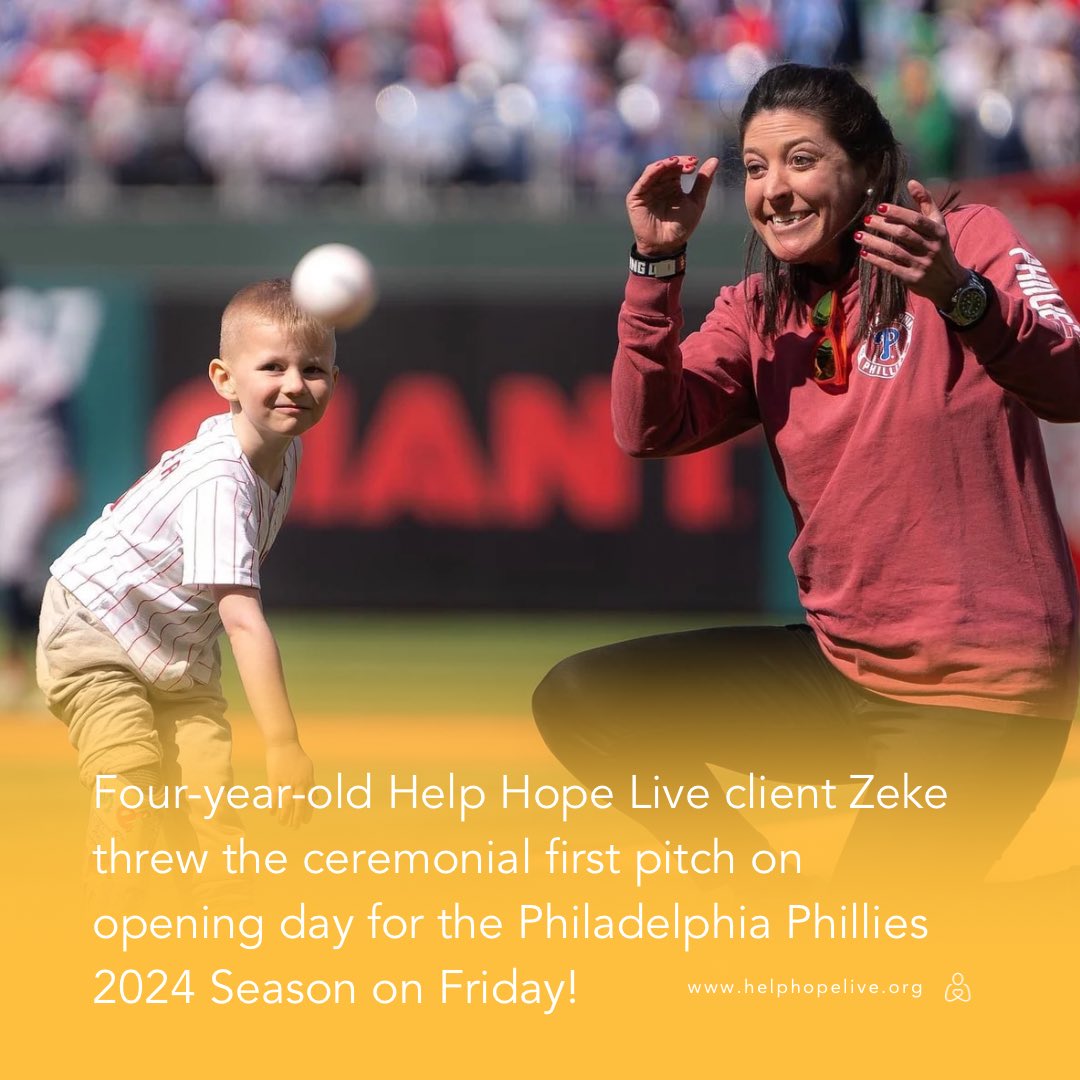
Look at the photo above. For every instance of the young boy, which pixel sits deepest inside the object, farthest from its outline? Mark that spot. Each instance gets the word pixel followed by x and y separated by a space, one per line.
pixel 127 651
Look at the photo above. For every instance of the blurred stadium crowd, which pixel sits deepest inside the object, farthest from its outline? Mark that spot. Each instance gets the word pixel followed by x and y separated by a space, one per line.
pixel 567 97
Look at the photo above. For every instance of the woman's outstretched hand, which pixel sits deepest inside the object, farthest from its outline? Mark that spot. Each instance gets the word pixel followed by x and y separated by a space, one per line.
pixel 662 215
pixel 914 246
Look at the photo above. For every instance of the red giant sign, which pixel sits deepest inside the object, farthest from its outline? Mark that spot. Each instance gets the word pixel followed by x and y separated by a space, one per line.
pixel 419 458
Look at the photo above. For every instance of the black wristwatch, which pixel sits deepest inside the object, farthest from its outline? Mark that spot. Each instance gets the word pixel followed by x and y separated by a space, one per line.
pixel 969 303
pixel 660 266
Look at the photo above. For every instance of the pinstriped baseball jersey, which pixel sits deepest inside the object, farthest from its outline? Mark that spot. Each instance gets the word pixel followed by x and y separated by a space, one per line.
pixel 200 517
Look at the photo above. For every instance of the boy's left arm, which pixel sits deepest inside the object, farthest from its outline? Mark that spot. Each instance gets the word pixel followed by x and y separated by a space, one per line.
pixel 259 664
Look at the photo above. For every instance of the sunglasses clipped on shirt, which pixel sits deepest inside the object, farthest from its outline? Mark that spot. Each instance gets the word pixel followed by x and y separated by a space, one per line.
pixel 832 364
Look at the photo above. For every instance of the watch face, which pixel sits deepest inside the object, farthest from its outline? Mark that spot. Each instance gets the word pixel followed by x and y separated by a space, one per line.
pixel 970 304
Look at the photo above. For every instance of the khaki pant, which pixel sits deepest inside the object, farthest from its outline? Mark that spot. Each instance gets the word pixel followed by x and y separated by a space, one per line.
pixel 121 725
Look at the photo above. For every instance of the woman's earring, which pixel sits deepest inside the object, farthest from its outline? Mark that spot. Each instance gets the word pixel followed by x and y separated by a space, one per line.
pixel 869 192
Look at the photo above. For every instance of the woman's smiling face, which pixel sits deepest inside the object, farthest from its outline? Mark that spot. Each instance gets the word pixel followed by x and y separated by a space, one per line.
pixel 802 192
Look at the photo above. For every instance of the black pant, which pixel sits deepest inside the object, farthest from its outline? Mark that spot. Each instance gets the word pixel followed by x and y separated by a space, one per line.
pixel 766 700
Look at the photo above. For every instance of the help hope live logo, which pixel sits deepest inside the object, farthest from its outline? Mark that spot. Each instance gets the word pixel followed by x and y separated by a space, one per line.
pixel 883 353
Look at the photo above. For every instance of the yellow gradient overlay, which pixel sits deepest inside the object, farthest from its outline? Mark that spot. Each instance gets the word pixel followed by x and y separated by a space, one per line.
pixel 623 1007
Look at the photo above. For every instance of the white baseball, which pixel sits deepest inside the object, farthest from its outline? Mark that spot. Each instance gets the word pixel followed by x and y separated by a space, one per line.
pixel 335 283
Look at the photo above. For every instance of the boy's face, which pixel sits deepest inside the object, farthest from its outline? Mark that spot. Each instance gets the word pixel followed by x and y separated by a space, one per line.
pixel 280 387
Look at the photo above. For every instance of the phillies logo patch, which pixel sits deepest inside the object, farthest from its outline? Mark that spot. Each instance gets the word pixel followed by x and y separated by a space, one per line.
pixel 883 353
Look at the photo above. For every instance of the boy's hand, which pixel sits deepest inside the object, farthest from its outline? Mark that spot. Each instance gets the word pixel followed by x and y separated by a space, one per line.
pixel 287 766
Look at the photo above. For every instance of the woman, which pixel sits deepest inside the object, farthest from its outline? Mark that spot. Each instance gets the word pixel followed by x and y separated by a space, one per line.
pixel 898 357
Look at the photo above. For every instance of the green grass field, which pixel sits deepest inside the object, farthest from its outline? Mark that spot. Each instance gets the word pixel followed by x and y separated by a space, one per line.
pixel 437 665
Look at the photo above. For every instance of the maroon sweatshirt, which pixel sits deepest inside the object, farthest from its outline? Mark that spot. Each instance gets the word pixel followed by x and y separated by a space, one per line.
pixel 929 555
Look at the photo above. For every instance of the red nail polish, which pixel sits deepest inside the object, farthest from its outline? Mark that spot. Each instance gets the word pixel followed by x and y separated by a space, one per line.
pixel 882 207
pixel 866 220
pixel 858 236
pixel 863 254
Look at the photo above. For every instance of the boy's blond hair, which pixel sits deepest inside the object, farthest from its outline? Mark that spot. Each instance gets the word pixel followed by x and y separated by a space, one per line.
pixel 272 301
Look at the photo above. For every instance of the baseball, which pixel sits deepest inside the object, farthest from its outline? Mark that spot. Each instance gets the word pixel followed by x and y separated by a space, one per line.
pixel 335 283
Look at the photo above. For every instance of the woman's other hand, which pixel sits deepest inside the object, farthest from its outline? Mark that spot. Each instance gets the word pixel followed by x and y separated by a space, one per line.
pixel 662 215
pixel 914 246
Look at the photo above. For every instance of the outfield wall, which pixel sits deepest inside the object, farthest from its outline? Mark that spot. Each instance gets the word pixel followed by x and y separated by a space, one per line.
pixel 468 460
